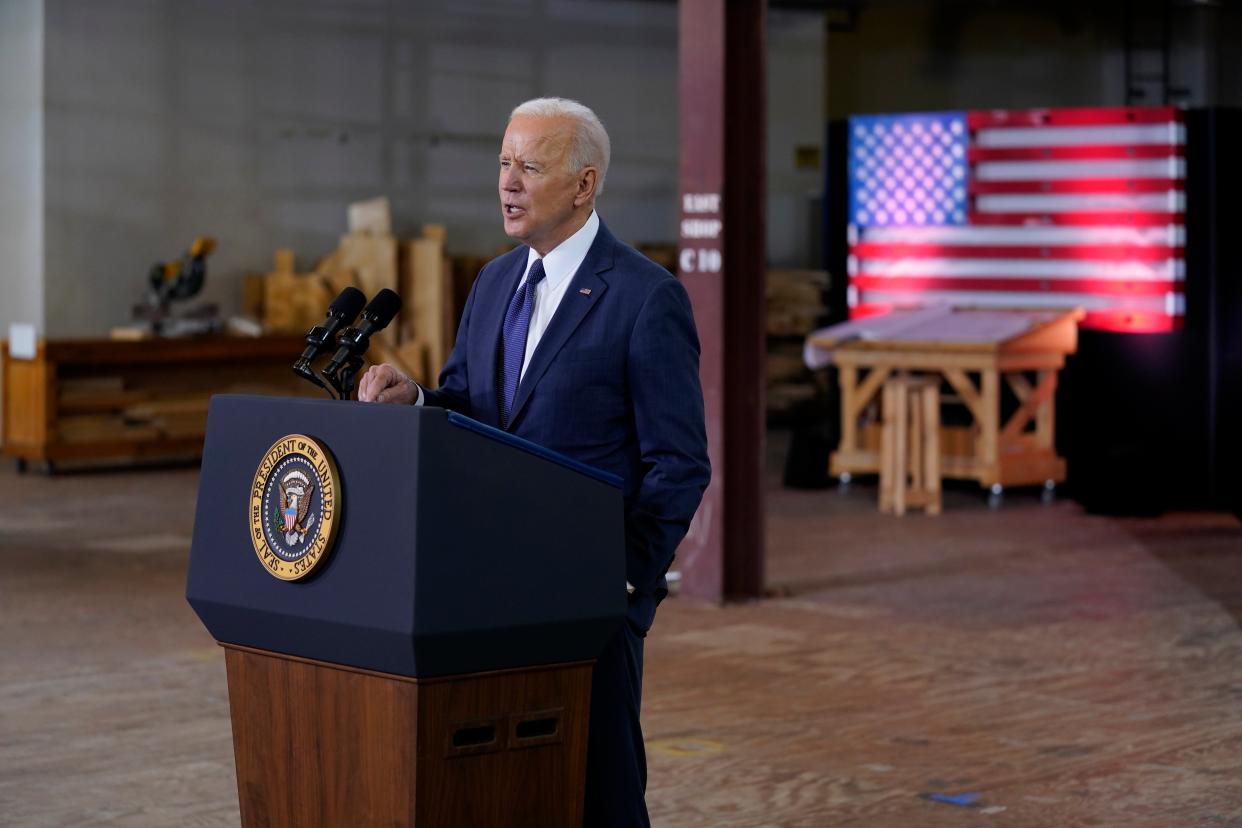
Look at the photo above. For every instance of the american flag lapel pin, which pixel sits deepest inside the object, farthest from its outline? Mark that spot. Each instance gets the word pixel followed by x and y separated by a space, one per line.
pixel 585 291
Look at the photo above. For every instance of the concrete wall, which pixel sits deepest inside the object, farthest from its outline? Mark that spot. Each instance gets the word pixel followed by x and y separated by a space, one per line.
pixel 259 122
pixel 909 56
pixel 795 119
pixel 21 148
pixel 928 56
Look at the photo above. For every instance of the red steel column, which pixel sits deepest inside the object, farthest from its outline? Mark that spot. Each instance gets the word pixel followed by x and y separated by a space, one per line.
pixel 722 259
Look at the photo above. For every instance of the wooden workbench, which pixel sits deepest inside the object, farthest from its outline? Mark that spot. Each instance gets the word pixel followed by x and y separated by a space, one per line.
pixel 89 399
pixel 974 351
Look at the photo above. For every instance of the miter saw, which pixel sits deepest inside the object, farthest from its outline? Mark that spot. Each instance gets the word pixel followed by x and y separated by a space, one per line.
pixel 174 281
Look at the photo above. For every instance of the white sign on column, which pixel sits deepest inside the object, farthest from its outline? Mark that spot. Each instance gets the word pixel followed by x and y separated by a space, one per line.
pixel 700 233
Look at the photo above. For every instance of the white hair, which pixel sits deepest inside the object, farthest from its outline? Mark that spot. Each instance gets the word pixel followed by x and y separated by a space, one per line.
pixel 590 148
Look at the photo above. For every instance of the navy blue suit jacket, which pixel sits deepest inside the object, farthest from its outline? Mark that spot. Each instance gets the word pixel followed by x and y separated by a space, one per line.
pixel 614 383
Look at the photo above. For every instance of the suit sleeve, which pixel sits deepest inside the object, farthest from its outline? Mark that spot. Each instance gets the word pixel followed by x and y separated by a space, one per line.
pixel 663 368
pixel 454 390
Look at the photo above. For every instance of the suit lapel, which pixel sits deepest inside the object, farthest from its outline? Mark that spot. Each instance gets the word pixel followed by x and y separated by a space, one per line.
pixel 493 323
pixel 584 291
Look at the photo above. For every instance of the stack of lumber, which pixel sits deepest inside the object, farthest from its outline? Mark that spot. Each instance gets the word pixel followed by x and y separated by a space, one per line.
pixel 368 254
pixel 788 381
pixel 663 254
pixel 99 409
pixel 465 270
pixel 92 410
pixel 795 301
pixel 370 258
pixel 430 318
pixel 179 416
pixel 795 307
pixel 286 301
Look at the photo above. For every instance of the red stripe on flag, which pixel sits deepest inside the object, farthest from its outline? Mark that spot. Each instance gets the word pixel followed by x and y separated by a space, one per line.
pixel 870 309
pixel 1086 116
pixel 1111 320
pixel 1097 287
pixel 1089 252
pixel 1112 152
pixel 1096 219
pixel 1080 185
pixel 1123 321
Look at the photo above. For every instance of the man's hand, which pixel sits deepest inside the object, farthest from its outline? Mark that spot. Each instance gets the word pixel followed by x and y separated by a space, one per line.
pixel 385 384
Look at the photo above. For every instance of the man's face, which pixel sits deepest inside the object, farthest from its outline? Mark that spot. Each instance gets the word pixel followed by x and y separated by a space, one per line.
pixel 537 188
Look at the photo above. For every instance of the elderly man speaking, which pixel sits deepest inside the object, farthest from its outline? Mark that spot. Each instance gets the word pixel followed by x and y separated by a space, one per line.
pixel 579 343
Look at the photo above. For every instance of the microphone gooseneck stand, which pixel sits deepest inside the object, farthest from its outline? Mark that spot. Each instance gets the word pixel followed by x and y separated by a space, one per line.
pixel 343 380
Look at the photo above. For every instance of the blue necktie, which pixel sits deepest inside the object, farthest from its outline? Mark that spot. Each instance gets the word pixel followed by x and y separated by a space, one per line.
pixel 513 339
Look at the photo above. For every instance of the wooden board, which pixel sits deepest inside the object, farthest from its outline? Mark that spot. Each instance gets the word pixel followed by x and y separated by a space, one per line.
pixel 942 328
pixel 410 358
pixel 373 259
pixel 465 270
pixel 101 428
pixel 95 402
pixel 430 297
pixel 253 295
pixel 27 395
pixel 283 261
pixel 318 744
pixel 280 310
pixel 372 217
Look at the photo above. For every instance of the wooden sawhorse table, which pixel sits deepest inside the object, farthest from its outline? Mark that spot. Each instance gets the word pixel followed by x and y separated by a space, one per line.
pixel 974 351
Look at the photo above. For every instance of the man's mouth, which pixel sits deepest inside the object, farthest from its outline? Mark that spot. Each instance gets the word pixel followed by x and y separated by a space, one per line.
pixel 512 210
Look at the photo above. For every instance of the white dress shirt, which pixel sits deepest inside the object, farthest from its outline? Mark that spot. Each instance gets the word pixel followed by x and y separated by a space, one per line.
pixel 559 266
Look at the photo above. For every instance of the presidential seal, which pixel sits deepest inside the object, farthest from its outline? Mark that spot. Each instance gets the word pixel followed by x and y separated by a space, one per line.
pixel 294 507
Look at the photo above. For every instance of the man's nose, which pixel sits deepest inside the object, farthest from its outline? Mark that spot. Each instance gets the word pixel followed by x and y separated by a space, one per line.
pixel 510 179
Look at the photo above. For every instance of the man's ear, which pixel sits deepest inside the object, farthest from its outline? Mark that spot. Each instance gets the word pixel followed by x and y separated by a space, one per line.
pixel 586 186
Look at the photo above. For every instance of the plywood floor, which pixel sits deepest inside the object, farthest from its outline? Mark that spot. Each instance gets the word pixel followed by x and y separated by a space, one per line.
pixel 1063 669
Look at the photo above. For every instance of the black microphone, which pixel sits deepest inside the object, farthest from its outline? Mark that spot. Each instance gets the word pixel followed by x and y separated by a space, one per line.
pixel 355 341
pixel 341 312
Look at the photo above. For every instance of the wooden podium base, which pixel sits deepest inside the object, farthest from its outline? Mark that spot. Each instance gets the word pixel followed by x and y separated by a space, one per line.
pixel 319 744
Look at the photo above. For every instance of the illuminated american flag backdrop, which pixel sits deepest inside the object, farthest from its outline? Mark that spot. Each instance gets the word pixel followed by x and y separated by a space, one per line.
pixel 1049 208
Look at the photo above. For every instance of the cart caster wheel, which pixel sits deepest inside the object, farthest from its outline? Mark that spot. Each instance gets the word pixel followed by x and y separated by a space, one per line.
pixel 1049 494
pixel 845 480
pixel 22 465
pixel 996 496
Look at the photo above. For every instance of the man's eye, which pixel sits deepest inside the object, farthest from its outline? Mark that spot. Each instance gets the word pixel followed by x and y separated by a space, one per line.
pixel 530 168
pixel 504 164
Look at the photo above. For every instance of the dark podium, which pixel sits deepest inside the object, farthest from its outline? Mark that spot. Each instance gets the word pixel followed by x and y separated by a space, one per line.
pixel 435 668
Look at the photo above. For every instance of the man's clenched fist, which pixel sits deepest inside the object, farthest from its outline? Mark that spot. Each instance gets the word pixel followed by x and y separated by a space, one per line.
pixel 385 384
